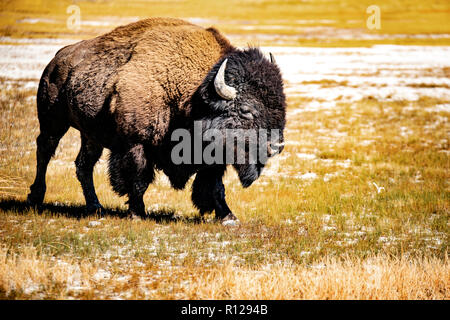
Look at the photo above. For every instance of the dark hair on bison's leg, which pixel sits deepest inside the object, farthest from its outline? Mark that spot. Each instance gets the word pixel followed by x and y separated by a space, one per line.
pixel 46 146
pixel 88 156
pixel 208 192
pixel 130 174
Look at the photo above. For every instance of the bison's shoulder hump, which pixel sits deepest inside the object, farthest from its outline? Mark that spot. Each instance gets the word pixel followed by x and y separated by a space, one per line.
pixel 141 27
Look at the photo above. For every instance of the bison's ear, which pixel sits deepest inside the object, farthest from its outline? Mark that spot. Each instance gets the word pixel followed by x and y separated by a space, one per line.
pixel 272 58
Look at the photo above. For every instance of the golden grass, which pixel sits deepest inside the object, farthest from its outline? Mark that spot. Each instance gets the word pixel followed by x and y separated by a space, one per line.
pixel 335 236
pixel 28 275
pixel 21 275
pixel 379 277
pixel 391 244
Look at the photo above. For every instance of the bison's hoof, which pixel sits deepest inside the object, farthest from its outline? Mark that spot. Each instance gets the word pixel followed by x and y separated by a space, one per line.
pixel 95 209
pixel 230 221
pixel 35 199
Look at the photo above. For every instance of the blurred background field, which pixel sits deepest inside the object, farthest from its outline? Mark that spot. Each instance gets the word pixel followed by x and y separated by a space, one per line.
pixel 260 22
pixel 356 207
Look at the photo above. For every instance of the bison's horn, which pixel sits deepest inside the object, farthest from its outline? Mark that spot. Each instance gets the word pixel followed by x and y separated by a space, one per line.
pixel 272 58
pixel 222 89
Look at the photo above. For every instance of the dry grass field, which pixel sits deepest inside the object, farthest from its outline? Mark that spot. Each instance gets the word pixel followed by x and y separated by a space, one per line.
pixel 260 22
pixel 356 206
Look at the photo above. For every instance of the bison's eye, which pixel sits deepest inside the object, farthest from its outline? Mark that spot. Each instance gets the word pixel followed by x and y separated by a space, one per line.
pixel 247 112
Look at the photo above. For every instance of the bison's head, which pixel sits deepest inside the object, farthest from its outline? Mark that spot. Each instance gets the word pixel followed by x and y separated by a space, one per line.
pixel 245 91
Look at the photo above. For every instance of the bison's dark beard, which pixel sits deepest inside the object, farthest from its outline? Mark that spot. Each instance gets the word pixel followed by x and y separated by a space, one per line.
pixel 248 173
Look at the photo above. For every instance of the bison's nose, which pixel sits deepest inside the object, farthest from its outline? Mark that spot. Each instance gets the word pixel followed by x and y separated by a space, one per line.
pixel 274 148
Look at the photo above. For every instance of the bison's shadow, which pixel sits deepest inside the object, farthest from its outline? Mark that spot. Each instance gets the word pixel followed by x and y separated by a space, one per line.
pixel 78 211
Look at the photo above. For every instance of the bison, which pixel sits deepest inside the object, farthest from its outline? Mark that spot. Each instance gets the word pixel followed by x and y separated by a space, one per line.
pixel 130 89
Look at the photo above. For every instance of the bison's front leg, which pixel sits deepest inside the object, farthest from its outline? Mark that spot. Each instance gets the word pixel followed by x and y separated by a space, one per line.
pixel 208 193
pixel 130 174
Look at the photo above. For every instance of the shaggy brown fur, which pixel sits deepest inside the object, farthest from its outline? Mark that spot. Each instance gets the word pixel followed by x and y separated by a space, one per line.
pixel 141 67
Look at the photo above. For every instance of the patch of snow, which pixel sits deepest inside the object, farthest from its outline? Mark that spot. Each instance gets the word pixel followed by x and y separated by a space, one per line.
pixel 440 107
pixel 30 288
pixel 328 176
pixel 388 240
pixel 101 275
pixel 384 72
pixel 94 223
pixel 307 176
pixel 306 156
pixel 231 223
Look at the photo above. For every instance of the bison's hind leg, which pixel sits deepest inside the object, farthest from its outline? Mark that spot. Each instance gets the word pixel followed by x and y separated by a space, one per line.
pixel 46 145
pixel 88 156
pixel 130 174
pixel 53 123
